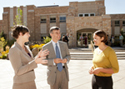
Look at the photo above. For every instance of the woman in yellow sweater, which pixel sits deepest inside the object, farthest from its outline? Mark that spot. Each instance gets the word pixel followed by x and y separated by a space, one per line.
pixel 105 63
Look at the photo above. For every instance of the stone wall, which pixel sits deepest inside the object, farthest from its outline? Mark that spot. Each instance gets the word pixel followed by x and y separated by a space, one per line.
pixel 30 21
pixel 6 20
pixel 48 12
pixel 96 7
pixel 77 23
pixel 117 17
pixel 51 10
pixel 1 25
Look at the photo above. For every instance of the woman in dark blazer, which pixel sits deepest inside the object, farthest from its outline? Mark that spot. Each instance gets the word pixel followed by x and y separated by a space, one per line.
pixel 23 61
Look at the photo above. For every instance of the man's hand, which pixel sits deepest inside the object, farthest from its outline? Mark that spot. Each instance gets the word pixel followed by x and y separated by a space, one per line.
pixel 43 53
pixel 57 60
pixel 41 61
pixel 64 60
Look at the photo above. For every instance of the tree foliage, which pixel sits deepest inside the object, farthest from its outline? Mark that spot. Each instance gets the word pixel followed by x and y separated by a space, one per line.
pixel 18 17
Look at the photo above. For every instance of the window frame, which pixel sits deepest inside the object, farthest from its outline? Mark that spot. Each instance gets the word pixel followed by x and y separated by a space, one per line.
pixel 123 23
pixel 117 24
pixel 44 18
pixel 52 21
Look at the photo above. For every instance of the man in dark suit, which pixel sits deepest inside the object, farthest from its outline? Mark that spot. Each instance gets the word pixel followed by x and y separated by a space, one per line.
pixel 58 58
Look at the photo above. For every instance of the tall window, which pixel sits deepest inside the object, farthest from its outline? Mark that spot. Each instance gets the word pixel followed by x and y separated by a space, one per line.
pixel 123 23
pixel 117 23
pixel 62 18
pixel 43 19
pixel 52 19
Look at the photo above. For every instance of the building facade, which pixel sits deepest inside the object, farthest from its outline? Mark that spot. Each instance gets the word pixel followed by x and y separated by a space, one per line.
pixel 78 18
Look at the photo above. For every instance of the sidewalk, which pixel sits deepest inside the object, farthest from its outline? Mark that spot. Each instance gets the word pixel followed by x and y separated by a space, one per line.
pixel 78 73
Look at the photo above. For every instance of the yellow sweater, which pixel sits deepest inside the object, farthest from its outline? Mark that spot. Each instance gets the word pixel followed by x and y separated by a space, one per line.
pixel 106 59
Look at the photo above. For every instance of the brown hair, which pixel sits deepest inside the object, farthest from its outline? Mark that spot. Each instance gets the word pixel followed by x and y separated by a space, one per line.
pixel 101 34
pixel 54 28
pixel 17 29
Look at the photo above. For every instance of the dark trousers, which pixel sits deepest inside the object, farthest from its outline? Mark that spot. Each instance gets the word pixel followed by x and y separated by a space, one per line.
pixel 102 82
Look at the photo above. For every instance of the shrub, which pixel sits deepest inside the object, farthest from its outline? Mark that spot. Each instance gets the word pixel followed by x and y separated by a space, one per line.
pixel 10 42
pixel 2 43
pixel 4 56
pixel 36 46
pixel 46 39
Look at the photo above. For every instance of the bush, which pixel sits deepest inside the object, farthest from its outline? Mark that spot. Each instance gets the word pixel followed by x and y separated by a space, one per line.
pixel 46 39
pixel 10 42
pixel 2 35
pixel 2 42
pixel 4 56
pixel 36 46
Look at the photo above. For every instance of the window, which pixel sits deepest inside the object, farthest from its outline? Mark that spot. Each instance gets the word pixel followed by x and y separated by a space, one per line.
pixel 43 20
pixel 123 23
pixel 62 19
pixel 86 14
pixel 92 14
pixel 80 15
pixel 52 19
pixel 117 23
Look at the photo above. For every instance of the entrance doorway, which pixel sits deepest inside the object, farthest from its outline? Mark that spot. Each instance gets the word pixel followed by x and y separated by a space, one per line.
pixel 87 38
pixel 87 35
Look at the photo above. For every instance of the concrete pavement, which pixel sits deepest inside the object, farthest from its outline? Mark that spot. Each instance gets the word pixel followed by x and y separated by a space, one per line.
pixel 78 72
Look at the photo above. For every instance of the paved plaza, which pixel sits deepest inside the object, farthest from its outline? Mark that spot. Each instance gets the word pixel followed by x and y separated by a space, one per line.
pixel 78 73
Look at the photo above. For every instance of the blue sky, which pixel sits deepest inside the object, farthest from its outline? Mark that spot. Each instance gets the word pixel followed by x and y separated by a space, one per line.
pixel 112 6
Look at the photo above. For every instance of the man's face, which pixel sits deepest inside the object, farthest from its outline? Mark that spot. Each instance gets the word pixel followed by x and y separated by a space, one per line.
pixel 55 34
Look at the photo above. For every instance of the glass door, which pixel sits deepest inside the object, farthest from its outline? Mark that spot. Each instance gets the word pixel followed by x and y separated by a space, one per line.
pixel 87 37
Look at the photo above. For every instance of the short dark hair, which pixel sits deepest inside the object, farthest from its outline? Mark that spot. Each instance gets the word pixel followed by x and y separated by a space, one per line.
pixel 101 34
pixel 17 29
pixel 53 28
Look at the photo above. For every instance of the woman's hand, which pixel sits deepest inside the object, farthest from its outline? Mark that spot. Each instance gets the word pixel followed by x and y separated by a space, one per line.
pixel 41 60
pixel 91 70
pixel 43 53
pixel 97 70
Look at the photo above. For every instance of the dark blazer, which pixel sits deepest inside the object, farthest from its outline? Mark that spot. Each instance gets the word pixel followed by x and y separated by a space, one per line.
pixel 22 64
pixel 53 68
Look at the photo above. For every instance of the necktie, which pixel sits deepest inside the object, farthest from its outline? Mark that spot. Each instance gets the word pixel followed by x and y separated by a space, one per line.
pixel 59 65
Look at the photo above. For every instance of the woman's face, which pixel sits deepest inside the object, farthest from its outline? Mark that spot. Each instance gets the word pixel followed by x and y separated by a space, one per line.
pixel 25 37
pixel 97 40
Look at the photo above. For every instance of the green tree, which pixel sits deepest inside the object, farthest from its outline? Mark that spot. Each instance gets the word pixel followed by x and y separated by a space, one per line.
pixel 18 17
pixel 18 21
